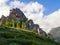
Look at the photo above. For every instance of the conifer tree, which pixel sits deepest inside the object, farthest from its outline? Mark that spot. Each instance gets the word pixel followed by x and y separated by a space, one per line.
pixel 18 25
pixel 0 23
pixel 23 25
pixel 7 22
pixel 15 24
pixel 12 23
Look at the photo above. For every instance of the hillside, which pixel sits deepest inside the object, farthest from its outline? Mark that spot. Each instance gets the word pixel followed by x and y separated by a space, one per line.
pixel 16 29
pixel 55 32
pixel 17 19
pixel 9 36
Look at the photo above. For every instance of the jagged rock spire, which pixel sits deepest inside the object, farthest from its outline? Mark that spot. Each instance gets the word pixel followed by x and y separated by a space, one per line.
pixel 17 14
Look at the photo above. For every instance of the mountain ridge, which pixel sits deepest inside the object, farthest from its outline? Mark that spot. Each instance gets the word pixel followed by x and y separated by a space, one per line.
pixel 16 29
pixel 55 32
pixel 19 20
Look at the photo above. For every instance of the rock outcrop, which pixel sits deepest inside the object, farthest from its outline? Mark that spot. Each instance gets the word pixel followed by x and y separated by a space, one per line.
pixel 29 25
pixel 3 19
pixel 18 16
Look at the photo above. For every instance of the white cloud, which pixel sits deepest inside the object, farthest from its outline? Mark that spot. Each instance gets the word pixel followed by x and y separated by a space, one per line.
pixel 16 4
pixel 3 1
pixel 52 20
pixel 33 7
pixel 34 11
pixel 4 9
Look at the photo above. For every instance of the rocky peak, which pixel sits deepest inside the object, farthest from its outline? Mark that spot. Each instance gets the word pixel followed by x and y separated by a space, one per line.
pixel 18 16
pixel 17 12
pixel 30 22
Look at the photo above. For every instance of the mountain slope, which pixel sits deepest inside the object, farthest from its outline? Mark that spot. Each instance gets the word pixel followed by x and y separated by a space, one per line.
pixel 17 19
pixel 9 36
pixel 55 32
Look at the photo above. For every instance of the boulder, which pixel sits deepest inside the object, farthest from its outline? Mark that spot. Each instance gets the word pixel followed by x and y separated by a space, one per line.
pixel 3 19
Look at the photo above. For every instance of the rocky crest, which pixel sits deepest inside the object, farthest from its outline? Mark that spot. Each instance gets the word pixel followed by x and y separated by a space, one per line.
pixel 18 16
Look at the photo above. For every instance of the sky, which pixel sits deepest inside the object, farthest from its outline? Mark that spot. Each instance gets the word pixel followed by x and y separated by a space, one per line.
pixel 46 13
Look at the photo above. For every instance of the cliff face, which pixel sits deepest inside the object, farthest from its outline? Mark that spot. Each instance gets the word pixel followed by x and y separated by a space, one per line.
pixel 18 16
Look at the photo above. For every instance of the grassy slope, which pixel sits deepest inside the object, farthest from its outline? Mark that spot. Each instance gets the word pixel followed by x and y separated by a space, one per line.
pixel 10 36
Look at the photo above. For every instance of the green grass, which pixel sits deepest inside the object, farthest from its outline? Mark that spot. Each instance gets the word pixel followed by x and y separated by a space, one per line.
pixel 9 36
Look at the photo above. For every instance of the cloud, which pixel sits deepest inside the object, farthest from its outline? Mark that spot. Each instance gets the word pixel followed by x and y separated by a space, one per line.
pixel 34 11
pixel 3 1
pixel 4 8
pixel 52 20
pixel 16 4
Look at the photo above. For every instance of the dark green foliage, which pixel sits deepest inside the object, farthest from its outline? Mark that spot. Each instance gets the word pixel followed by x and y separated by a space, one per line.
pixel 12 23
pixel 7 23
pixel 1 24
pixel 21 24
pixel 15 24
pixel 9 36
